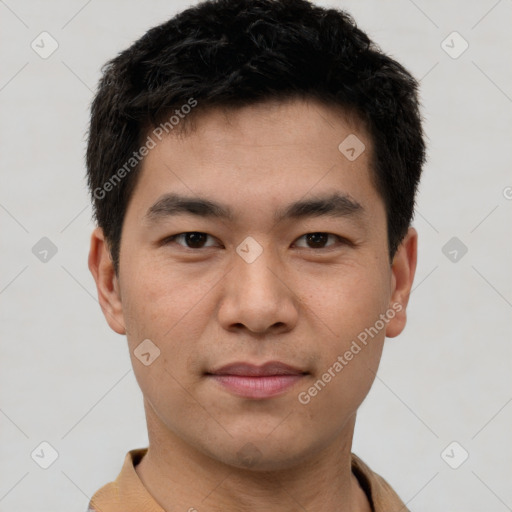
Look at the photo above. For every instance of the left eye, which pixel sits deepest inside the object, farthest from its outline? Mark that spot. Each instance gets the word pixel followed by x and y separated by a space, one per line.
pixel 318 240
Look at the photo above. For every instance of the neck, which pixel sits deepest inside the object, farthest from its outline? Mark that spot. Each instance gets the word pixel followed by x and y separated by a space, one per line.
pixel 179 477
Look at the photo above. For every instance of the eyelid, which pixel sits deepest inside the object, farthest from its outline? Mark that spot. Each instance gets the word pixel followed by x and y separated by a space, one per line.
pixel 339 239
pixel 172 238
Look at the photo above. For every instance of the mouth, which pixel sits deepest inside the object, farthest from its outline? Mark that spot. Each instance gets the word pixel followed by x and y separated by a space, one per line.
pixel 257 382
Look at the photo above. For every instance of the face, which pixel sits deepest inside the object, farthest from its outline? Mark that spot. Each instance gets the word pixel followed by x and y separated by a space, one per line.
pixel 287 261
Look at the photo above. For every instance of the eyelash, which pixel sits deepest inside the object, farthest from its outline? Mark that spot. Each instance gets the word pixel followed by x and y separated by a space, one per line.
pixel 340 240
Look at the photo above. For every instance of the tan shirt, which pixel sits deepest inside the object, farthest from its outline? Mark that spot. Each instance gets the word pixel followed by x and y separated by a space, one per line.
pixel 128 494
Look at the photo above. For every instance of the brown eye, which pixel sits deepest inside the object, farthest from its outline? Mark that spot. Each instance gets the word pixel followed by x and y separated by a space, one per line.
pixel 317 240
pixel 190 239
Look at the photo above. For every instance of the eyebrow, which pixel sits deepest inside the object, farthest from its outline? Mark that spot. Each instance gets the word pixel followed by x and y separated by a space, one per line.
pixel 333 205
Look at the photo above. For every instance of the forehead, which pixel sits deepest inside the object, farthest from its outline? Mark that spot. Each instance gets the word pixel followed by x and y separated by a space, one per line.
pixel 256 156
pixel 272 124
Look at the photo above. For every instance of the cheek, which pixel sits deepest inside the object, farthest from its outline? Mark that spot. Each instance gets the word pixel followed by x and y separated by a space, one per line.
pixel 161 298
pixel 168 308
pixel 346 301
pixel 350 333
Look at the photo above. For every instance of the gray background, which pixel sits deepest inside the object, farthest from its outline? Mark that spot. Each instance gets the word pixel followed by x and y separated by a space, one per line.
pixel 66 378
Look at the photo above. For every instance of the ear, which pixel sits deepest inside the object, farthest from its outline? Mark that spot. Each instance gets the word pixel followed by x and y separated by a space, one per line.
pixel 403 269
pixel 102 269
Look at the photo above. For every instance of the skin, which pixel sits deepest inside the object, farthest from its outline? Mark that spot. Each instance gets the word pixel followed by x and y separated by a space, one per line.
pixel 296 303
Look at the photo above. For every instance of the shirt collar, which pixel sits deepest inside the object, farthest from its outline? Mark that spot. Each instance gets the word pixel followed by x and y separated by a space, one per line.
pixel 128 491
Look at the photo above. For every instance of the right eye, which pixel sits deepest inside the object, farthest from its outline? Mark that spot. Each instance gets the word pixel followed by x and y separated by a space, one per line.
pixel 189 239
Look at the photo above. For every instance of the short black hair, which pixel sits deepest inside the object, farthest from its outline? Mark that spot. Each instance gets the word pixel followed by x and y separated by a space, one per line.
pixel 234 53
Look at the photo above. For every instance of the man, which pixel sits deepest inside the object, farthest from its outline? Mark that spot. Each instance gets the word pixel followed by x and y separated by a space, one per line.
pixel 253 166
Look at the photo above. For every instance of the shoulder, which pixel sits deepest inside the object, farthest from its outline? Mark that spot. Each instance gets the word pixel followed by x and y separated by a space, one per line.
pixel 104 498
pixel 380 493
pixel 126 489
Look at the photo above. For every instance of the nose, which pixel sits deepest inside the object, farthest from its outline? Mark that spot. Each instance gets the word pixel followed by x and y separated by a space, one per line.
pixel 258 297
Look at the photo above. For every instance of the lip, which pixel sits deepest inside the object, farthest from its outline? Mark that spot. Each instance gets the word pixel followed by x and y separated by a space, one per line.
pixel 257 382
pixel 251 370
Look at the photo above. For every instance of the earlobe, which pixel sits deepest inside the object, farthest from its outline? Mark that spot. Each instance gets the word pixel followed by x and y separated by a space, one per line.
pixel 102 269
pixel 403 270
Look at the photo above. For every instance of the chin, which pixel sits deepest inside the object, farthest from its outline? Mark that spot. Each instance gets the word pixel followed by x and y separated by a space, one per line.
pixel 263 454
